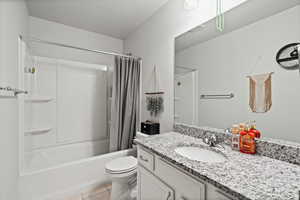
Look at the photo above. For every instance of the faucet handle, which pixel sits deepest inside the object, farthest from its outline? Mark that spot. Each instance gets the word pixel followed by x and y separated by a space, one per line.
pixel 227 130
pixel 213 137
pixel 205 139
pixel 213 140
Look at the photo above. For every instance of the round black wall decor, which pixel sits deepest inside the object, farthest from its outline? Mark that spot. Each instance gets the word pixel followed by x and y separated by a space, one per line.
pixel 288 56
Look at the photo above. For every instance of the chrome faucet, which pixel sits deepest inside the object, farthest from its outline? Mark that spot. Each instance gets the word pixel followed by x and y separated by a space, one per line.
pixel 212 141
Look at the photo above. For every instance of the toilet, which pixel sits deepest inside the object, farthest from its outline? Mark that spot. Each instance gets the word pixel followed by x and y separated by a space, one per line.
pixel 123 172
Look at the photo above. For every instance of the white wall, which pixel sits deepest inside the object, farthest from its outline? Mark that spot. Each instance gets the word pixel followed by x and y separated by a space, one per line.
pixel 224 63
pixel 13 21
pixel 55 32
pixel 154 42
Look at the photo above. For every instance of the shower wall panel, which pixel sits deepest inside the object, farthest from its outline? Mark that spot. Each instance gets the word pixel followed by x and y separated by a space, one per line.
pixel 65 112
pixel 82 101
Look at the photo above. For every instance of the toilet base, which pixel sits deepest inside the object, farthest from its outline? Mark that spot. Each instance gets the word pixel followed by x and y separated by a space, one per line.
pixel 123 173
pixel 121 189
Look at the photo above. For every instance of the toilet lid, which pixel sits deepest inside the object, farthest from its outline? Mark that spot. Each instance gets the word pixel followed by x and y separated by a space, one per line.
pixel 123 164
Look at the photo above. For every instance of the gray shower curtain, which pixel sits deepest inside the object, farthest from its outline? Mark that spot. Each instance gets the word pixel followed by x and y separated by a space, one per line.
pixel 125 103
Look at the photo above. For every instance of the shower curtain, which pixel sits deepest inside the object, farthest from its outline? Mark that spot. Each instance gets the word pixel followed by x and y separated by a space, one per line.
pixel 125 103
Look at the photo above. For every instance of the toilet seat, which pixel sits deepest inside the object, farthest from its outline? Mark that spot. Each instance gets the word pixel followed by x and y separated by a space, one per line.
pixel 120 172
pixel 122 165
pixel 125 175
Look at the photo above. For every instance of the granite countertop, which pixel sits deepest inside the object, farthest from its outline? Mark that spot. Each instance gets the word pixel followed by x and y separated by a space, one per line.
pixel 243 176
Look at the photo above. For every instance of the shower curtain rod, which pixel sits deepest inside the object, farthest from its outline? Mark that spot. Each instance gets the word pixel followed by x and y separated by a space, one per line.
pixel 36 40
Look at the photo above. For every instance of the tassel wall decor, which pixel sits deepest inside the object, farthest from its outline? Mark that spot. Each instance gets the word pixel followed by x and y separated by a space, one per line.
pixel 154 100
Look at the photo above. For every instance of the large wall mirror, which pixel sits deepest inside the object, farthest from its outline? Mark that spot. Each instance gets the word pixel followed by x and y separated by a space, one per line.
pixel 213 70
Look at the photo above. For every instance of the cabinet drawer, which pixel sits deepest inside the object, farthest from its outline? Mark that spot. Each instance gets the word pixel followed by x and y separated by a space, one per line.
pixel 145 158
pixel 186 187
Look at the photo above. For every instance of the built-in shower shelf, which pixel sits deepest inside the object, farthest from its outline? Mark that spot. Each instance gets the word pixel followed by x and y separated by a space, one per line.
pixel 37 131
pixel 38 99
pixel 176 116
pixel 176 98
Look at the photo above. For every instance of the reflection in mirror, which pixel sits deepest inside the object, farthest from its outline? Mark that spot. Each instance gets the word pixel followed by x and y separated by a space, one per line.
pixel 186 93
pixel 214 70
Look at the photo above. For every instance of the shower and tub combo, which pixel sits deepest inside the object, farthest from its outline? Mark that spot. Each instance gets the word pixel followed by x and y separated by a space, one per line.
pixel 68 136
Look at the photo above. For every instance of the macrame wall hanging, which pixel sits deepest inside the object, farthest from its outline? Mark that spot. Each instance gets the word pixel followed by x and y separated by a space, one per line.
pixel 260 87
pixel 220 19
pixel 260 97
pixel 154 99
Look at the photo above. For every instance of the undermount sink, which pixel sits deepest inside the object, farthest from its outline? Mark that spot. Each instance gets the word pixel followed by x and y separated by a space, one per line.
pixel 200 154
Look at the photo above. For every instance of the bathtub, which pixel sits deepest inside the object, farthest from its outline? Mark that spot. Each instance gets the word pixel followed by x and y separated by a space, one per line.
pixel 67 178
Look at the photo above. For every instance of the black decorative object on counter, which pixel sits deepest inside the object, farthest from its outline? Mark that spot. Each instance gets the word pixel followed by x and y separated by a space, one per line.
pixel 150 128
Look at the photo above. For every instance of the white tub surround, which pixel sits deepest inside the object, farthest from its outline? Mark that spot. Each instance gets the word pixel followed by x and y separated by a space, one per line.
pixel 65 112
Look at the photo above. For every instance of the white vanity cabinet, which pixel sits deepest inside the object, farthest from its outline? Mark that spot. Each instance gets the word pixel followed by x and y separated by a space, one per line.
pixel 186 187
pixel 151 188
pixel 160 180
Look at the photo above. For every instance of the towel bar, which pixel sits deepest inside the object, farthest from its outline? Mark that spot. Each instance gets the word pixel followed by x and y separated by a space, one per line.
pixel 217 96
pixel 14 90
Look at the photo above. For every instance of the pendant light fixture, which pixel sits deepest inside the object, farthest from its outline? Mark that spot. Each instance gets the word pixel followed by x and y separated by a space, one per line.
pixel 190 4
pixel 220 19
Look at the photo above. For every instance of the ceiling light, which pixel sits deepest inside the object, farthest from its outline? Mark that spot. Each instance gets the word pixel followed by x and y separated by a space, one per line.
pixel 190 4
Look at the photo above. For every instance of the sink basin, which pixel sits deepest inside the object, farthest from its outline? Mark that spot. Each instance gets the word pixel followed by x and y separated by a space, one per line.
pixel 200 154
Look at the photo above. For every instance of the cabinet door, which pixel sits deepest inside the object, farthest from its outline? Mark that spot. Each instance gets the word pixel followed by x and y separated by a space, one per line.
pixel 151 188
pixel 186 187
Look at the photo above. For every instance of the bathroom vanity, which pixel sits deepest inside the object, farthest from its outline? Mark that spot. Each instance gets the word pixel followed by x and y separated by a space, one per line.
pixel 160 179
pixel 166 174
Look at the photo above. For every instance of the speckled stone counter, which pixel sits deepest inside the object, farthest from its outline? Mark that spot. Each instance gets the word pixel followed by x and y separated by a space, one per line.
pixel 243 176
pixel 273 148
